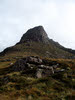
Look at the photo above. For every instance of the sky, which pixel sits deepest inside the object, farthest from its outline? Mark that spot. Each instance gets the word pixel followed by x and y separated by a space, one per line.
pixel 56 16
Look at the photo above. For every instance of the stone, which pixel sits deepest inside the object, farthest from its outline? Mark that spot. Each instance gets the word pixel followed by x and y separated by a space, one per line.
pixel 20 65
pixel 55 66
pixel 39 73
pixel 11 63
pixel 34 60
pixel 29 97
pixel 36 34
pixel 44 71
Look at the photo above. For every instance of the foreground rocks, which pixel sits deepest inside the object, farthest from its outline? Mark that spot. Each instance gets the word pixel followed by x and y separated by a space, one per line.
pixel 36 67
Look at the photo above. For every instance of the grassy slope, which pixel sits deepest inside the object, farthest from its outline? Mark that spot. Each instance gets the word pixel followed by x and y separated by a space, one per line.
pixel 20 87
pixel 57 87
pixel 40 49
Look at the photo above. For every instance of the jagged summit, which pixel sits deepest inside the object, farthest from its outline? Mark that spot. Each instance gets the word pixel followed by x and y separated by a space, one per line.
pixel 37 34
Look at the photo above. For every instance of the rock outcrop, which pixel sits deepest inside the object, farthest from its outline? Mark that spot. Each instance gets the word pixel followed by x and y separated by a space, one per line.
pixel 36 34
pixel 36 67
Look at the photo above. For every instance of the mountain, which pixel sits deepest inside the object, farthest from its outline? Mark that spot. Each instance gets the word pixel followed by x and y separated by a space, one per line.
pixel 35 42
pixel 28 72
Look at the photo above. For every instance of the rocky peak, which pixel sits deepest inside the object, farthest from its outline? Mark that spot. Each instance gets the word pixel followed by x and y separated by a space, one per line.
pixel 36 34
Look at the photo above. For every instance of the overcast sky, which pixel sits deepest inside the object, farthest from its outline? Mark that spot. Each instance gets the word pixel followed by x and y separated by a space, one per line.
pixel 57 17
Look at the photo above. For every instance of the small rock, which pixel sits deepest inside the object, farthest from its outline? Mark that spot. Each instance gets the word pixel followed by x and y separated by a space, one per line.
pixel 11 63
pixel 39 73
pixel 29 97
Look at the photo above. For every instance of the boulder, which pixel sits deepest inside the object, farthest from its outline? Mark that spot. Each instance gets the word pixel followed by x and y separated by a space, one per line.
pixel 44 71
pixel 34 60
pixel 20 65
pixel 39 73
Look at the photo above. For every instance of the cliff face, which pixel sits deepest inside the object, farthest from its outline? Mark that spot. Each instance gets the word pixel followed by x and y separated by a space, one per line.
pixel 36 34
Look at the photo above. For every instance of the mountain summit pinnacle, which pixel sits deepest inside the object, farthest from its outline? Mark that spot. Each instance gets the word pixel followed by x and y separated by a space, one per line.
pixel 36 34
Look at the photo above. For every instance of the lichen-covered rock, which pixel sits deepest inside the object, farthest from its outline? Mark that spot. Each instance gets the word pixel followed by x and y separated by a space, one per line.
pixel 34 60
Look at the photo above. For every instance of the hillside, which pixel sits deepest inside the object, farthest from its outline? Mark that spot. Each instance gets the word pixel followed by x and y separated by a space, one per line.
pixel 34 78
